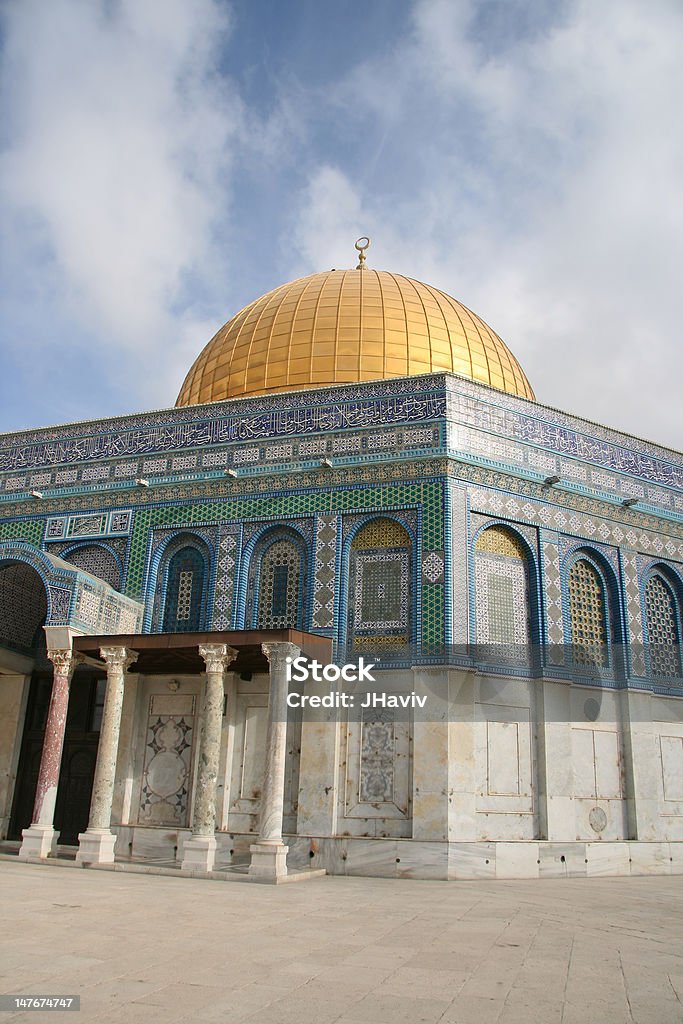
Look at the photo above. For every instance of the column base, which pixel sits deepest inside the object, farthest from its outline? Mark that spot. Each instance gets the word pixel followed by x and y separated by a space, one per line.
pixel 39 841
pixel 199 854
pixel 268 861
pixel 96 846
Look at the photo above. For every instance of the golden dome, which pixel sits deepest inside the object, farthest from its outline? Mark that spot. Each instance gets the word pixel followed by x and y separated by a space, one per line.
pixel 346 326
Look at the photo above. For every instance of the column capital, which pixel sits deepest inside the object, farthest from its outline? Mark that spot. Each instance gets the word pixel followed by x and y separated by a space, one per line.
pixel 277 653
pixel 217 657
pixel 118 657
pixel 64 661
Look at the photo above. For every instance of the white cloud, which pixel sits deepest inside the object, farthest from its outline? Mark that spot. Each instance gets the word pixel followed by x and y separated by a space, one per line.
pixel 525 158
pixel 541 185
pixel 117 164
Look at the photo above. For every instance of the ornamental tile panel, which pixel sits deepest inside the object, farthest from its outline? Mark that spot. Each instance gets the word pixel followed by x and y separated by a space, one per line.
pixel 433 567
pixel 634 619
pixel 492 501
pixel 326 533
pixel 226 574
pixel 552 596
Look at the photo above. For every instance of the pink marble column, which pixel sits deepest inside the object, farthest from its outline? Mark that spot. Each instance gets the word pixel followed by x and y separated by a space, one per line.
pixel 40 839
pixel 269 854
pixel 96 845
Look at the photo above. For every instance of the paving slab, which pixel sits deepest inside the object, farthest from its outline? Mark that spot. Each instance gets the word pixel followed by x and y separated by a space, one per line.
pixel 142 947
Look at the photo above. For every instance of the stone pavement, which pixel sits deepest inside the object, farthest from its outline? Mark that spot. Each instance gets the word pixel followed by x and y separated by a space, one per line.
pixel 349 950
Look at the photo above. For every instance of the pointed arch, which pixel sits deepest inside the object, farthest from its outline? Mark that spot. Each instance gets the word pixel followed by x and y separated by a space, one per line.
pixel 182 585
pixel 99 560
pixel 661 603
pixel 277 581
pixel 506 608
pixel 23 605
pixel 593 623
pixel 380 612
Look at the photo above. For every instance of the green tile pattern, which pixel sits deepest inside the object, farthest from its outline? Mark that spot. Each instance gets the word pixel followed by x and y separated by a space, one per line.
pixel 427 495
pixel 31 530
pixel 432 614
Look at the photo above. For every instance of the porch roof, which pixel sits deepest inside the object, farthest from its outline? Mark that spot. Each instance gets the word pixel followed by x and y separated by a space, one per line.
pixel 177 653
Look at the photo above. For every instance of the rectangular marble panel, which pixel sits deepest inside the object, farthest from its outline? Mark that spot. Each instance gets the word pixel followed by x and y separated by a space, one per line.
pixel 607 859
pixel 172 704
pixel 650 858
pixel 374 858
pixel 672 766
pixel 517 860
pixel 155 843
pixel 503 759
pixel 378 767
pixel 253 746
pixel 584 762
pixel 676 855
pixel 167 772
pixel 607 765
pixel 562 860
pixel 472 860
pixel 422 860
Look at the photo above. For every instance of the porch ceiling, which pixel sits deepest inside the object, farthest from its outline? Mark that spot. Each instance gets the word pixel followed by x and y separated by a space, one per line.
pixel 178 654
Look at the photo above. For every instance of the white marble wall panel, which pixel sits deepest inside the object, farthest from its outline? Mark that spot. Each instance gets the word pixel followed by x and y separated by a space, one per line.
pixel 506 759
pixel 248 763
pixel 676 857
pixel 517 860
pixel 471 860
pixel 417 859
pixel 671 755
pixel 649 858
pixel 561 860
pixel 371 858
pixel 139 704
pixel 462 814
pixel 598 783
pixel 432 758
pixel 169 758
pixel 607 859
pixel 668 763
pixel 375 781
pixel 319 776
pixel 13 696
pixel 505 770
pixel 227 752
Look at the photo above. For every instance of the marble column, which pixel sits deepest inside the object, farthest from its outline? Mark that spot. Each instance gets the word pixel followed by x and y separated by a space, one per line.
pixel 269 854
pixel 199 851
pixel 96 845
pixel 40 839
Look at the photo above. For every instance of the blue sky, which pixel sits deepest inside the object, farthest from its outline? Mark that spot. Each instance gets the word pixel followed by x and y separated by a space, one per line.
pixel 165 162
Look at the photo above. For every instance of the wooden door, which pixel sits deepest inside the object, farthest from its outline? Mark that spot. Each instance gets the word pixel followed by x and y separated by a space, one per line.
pixel 81 738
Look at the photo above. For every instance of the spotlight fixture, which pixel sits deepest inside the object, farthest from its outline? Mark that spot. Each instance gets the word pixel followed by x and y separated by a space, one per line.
pixel 627 502
pixel 325 464
pixel 550 480
pixel 141 482
pixel 36 494
pixel 230 472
